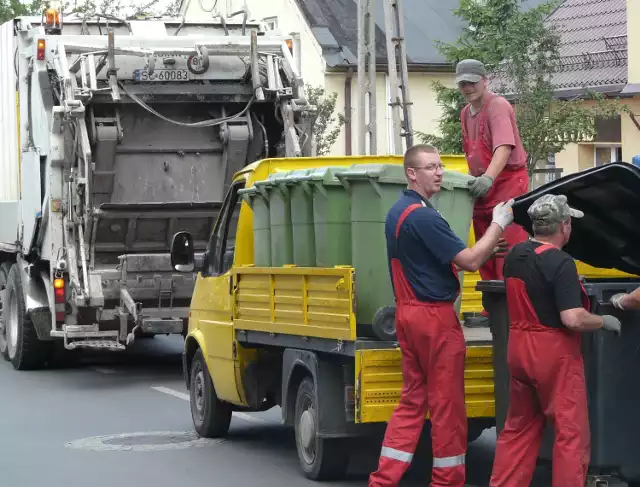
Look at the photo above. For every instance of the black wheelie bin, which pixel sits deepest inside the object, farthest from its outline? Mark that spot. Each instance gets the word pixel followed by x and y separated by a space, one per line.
pixel 608 237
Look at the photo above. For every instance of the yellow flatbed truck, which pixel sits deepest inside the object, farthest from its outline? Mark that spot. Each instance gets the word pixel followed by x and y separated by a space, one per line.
pixel 261 337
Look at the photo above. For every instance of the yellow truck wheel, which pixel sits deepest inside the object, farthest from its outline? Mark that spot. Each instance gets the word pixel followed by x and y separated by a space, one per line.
pixel 320 458
pixel 211 417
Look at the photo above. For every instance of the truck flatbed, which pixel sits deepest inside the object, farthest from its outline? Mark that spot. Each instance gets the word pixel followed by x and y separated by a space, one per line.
pixel 478 337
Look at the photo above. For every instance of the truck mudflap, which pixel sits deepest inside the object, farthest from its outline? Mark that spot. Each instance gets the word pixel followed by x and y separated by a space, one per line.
pixel 379 383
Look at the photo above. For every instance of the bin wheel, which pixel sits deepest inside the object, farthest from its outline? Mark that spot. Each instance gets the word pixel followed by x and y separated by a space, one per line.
pixel 211 417
pixel 384 324
pixel 320 458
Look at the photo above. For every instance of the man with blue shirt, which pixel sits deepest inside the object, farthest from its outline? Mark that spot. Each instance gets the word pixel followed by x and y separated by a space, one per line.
pixel 423 254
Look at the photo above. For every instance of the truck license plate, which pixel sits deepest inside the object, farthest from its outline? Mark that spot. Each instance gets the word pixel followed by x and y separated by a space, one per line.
pixel 162 75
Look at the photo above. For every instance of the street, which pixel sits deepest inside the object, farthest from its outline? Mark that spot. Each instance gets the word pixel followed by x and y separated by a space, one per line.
pixel 136 402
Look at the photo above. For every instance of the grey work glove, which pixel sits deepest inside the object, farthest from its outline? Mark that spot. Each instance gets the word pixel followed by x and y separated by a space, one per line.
pixel 503 214
pixel 611 323
pixel 480 186
pixel 616 300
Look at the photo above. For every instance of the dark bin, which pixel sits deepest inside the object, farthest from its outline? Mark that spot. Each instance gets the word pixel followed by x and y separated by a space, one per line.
pixel 612 368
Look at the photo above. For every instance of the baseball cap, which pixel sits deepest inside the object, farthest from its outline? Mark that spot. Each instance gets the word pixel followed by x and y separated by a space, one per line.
pixel 550 208
pixel 470 70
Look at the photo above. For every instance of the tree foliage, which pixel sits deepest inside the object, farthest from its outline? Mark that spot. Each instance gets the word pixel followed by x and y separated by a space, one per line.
pixel 327 125
pixel 521 53
pixel 129 9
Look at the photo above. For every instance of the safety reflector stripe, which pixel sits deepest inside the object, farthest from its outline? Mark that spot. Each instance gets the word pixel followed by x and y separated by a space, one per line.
pixel 401 456
pixel 448 462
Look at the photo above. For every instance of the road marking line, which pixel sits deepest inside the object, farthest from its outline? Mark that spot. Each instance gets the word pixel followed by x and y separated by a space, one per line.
pixel 103 370
pixel 171 392
pixel 185 397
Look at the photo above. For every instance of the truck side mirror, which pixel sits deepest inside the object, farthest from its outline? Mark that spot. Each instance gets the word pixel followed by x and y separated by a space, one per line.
pixel 182 253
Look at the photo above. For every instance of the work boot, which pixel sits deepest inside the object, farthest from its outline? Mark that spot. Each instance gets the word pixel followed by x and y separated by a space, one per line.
pixel 478 321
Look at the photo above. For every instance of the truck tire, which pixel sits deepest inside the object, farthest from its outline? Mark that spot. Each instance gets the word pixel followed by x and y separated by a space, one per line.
pixel 320 458
pixel 211 417
pixel 5 267
pixel 24 349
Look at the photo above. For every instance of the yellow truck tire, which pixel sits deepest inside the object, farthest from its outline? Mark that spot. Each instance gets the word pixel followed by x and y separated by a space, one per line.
pixel 211 417
pixel 320 458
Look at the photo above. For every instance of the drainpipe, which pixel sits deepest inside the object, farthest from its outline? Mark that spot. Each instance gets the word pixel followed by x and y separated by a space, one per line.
pixel 347 112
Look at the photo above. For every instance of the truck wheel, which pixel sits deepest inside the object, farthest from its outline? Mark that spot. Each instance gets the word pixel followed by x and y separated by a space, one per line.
pixel 5 267
pixel 24 348
pixel 320 458
pixel 211 417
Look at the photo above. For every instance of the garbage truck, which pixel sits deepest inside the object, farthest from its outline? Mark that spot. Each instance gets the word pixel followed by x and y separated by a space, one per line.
pixel 116 134
pixel 293 305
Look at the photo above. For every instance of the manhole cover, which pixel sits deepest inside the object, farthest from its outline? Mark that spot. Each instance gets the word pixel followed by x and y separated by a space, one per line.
pixel 151 441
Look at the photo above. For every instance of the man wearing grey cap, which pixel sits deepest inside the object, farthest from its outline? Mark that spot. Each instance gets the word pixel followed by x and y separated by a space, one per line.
pixel 548 310
pixel 496 159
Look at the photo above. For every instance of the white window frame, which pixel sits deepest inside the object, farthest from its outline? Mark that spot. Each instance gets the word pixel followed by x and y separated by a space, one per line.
pixel 614 152
pixel 271 22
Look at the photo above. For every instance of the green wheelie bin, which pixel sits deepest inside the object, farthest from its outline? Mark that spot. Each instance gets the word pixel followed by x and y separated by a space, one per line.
pixel 278 194
pixel 331 218
pixel 259 204
pixel 302 224
pixel 373 190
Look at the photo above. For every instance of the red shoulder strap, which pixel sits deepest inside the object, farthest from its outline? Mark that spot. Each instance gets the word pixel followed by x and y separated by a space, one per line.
pixel 543 248
pixel 403 216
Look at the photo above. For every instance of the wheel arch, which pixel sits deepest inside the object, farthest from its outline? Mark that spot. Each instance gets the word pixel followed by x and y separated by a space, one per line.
pixel 192 344
pixel 330 390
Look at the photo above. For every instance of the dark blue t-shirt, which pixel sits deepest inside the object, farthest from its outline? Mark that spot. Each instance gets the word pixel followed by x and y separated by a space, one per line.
pixel 426 247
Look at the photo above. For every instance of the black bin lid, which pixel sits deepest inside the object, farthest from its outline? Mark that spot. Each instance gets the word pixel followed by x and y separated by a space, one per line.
pixel 608 236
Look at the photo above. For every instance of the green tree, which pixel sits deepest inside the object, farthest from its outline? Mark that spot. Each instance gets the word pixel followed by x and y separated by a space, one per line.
pixel 327 125
pixel 10 9
pixel 521 53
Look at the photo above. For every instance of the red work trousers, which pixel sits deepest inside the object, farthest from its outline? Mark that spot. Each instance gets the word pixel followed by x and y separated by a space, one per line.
pixel 547 383
pixel 509 184
pixel 433 354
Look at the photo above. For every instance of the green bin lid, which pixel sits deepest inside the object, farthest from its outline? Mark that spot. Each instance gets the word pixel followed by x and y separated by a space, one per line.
pixel 454 179
pixel 325 175
pixel 382 173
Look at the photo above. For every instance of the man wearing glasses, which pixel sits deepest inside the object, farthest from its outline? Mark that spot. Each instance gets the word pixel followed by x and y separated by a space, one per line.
pixel 423 253
pixel 496 159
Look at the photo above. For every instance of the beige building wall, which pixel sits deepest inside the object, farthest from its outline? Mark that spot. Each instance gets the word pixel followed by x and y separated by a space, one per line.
pixel 425 110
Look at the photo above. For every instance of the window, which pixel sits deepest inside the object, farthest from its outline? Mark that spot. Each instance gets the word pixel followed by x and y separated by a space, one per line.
pixel 271 23
pixel 222 244
pixel 606 154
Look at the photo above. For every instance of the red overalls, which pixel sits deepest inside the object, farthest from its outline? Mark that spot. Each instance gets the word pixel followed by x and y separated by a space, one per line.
pixel 433 354
pixel 547 383
pixel 510 183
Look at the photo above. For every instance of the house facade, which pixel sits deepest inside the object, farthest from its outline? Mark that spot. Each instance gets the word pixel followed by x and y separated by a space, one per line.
pixel 600 51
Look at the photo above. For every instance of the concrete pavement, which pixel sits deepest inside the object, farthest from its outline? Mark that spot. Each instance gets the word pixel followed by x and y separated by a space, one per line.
pixel 120 420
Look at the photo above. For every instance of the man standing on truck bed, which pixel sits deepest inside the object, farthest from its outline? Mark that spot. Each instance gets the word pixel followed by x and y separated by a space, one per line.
pixel 548 309
pixel 496 158
pixel 423 252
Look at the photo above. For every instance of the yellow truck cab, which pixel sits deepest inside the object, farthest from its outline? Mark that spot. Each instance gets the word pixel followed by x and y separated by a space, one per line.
pixel 261 337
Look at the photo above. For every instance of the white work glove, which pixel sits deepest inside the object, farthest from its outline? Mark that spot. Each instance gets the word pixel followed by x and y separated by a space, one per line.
pixel 611 323
pixel 616 300
pixel 480 186
pixel 503 214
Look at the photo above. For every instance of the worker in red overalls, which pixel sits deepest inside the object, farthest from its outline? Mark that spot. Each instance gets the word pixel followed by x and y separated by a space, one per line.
pixel 423 251
pixel 496 159
pixel 548 310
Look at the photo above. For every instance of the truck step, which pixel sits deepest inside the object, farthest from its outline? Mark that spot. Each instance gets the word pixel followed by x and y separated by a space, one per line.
pixel 100 344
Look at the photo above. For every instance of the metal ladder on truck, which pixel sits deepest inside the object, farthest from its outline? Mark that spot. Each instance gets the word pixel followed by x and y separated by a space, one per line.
pixel 398 75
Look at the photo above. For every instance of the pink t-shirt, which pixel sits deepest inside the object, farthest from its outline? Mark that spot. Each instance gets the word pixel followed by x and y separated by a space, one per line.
pixel 500 129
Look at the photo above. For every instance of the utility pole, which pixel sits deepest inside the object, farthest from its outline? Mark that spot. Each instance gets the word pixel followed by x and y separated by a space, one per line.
pixel 367 75
pixel 398 74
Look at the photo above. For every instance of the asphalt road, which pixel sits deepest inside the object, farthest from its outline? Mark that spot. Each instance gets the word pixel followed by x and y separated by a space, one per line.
pixel 137 404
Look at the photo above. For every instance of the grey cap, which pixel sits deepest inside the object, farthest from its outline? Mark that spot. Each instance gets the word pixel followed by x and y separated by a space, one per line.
pixel 470 70
pixel 550 208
